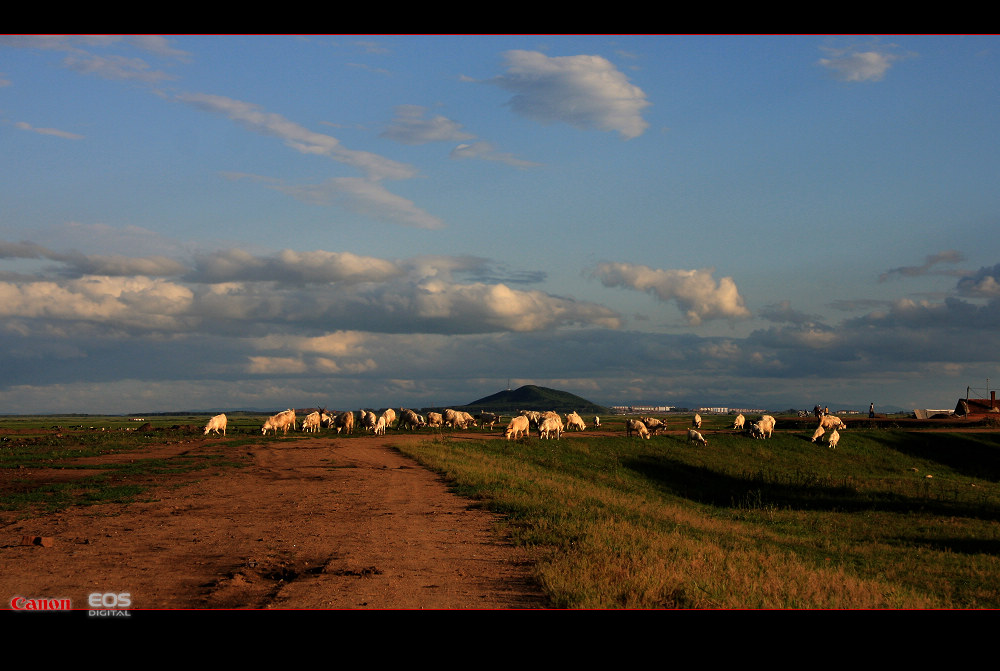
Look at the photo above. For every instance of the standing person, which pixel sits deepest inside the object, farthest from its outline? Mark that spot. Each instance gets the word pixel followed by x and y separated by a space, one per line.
pixel 871 411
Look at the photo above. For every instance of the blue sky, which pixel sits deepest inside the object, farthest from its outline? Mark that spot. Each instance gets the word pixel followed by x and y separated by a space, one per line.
pixel 194 222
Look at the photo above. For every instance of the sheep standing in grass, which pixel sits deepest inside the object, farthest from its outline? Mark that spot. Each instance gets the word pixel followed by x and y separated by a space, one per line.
pixel 550 426
pixel 311 422
pixel 517 427
pixel 638 427
pixel 740 420
pixel 696 422
pixel 282 421
pixel 832 422
pixel 216 423
pixel 380 426
pixel 575 422
pixel 597 422
pixel 435 419
pixel 344 422
pixel 765 425
pixel 818 433
pixel 834 439
pixel 695 437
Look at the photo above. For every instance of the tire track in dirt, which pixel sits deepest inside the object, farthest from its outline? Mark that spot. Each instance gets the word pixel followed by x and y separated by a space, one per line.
pixel 315 523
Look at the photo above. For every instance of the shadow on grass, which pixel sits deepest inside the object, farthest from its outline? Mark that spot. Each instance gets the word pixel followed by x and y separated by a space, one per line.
pixel 801 491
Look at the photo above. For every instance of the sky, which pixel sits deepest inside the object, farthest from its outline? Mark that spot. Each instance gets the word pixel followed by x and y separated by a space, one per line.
pixel 200 222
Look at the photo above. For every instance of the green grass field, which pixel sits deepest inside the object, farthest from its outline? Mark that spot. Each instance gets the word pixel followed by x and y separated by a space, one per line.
pixel 890 519
pixel 893 518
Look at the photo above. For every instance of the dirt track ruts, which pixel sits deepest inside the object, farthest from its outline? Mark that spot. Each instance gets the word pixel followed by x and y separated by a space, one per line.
pixel 309 524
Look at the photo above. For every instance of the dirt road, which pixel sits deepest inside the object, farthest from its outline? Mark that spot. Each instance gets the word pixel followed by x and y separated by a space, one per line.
pixel 309 524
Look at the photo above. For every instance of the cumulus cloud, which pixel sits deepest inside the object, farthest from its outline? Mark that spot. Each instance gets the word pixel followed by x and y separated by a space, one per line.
pixel 696 292
pixel 584 91
pixel 984 283
pixel 292 267
pixel 854 64
pixel 234 290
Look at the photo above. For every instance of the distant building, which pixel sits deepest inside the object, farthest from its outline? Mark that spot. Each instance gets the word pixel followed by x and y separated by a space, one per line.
pixel 974 408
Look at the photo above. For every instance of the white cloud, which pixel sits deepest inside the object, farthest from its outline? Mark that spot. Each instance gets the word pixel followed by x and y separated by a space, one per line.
pixel 48 131
pixel 852 64
pixel 696 292
pixel 410 127
pixel 587 92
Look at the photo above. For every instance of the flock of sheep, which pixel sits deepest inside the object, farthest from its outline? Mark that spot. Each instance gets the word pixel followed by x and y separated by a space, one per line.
pixel 548 424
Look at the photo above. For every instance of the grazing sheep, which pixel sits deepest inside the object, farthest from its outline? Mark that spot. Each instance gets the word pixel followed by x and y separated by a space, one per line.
pixel 451 418
pixel 574 421
pixel 818 433
pixel 344 422
pixel 534 417
pixel 390 417
pixel 311 422
pixel 281 421
pixel 653 424
pixel 740 420
pixel 216 423
pixel 696 422
pixel 368 420
pixel 766 425
pixel 834 439
pixel 435 419
pixel 695 437
pixel 466 419
pixel 380 425
pixel 518 425
pixel 549 426
pixel 638 427
pixel 487 419
pixel 408 419
pixel 832 422
pixel 597 422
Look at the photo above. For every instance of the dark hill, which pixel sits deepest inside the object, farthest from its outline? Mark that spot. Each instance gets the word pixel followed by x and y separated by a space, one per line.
pixel 530 397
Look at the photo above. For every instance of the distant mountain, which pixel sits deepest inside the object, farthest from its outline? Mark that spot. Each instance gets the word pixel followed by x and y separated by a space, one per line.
pixel 531 397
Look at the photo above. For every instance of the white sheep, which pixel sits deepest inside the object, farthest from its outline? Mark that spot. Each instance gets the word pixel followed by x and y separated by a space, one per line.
pixel 740 420
pixel 832 422
pixel 597 422
pixel 696 421
pixel 216 423
pixel 549 426
pixel 575 422
pixel 638 427
pixel 834 439
pixel 695 437
pixel 344 422
pixel 766 425
pixel 390 417
pixel 518 425
pixel 409 419
pixel 282 421
pixel 311 422
pixel 435 419
pixel 380 426
pixel 818 433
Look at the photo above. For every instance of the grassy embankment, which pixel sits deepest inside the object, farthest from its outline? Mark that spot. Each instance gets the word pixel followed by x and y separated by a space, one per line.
pixel 779 523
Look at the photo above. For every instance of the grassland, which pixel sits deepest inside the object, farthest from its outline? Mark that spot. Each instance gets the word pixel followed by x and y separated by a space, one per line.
pixel 893 518
pixel 890 519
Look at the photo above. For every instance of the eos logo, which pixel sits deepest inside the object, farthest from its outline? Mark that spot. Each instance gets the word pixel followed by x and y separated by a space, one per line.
pixel 109 600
